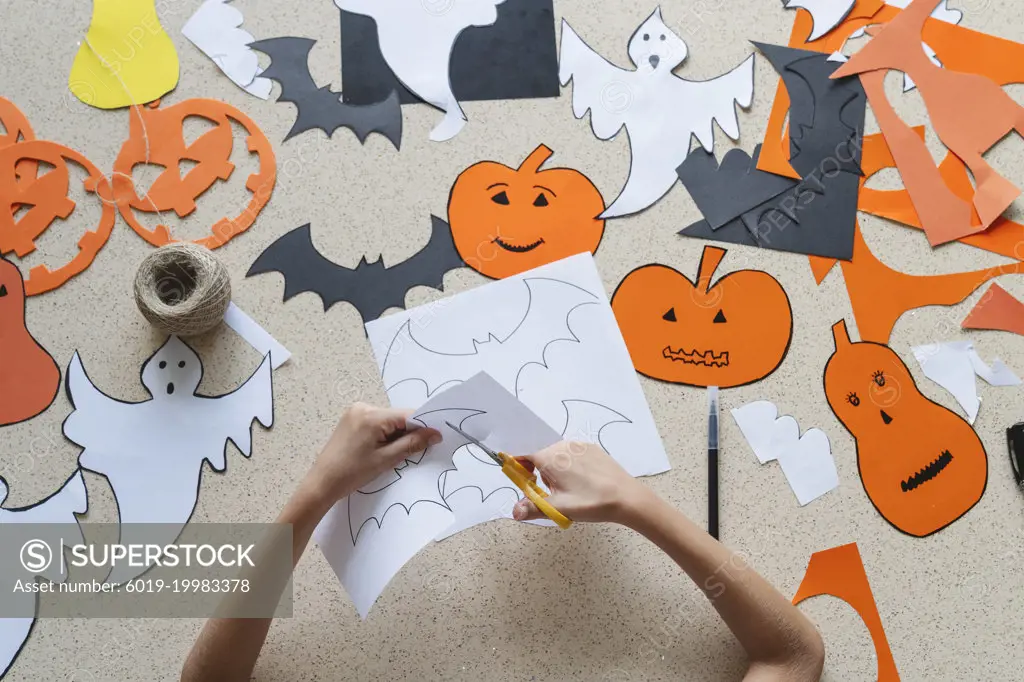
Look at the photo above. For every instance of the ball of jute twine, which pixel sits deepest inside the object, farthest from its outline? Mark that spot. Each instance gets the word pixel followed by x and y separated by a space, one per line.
pixel 183 289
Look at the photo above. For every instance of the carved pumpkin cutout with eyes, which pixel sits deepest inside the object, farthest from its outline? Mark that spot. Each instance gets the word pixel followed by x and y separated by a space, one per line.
pixel 506 221
pixel 732 333
pixel 156 136
pixel 29 205
pixel 922 465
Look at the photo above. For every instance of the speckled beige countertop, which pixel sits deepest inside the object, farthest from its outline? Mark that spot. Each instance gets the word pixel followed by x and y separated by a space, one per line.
pixel 504 602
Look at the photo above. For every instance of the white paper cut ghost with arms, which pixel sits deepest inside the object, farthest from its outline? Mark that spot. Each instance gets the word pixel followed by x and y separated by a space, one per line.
pixel 20 606
pixel 659 110
pixel 152 452
pixel 416 39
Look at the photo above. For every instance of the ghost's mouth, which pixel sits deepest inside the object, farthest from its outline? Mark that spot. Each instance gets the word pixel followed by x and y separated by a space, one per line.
pixel 707 358
pixel 928 473
pixel 654 60
pixel 517 248
pixel 170 388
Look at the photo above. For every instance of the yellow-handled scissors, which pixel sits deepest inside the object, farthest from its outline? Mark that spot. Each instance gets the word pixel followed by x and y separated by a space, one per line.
pixel 524 479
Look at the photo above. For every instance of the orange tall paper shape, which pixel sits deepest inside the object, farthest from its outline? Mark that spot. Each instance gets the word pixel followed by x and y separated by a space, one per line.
pixel 839 572
pixel 970 113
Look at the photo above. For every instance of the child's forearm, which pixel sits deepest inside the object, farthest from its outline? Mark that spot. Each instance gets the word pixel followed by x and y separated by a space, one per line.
pixel 781 642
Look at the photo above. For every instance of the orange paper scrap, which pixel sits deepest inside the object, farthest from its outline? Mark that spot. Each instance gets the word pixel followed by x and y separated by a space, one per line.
pixel 1004 237
pixel 156 137
pixel 997 310
pixel 879 295
pixel 839 572
pixel 970 113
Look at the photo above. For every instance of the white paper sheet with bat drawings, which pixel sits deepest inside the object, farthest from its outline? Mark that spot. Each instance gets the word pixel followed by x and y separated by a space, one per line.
pixel 549 337
pixel 370 535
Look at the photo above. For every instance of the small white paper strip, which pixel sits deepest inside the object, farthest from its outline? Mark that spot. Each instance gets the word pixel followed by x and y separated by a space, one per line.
pixel 954 365
pixel 258 337
pixel 214 29
pixel 806 460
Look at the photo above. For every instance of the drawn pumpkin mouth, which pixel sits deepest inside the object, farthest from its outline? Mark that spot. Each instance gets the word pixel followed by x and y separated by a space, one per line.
pixel 928 473
pixel 707 358
pixel 517 248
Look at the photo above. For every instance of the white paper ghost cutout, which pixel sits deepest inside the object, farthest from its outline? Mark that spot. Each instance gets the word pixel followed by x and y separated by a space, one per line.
pixel 152 452
pixel 825 14
pixel 59 508
pixel 215 29
pixel 416 39
pixel 659 110
pixel 806 460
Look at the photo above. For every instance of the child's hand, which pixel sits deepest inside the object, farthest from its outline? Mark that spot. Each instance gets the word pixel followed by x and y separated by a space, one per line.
pixel 366 442
pixel 586 484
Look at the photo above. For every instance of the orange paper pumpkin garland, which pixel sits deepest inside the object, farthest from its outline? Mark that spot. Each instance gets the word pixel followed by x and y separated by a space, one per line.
pixel 29 377
pixel 44 200
pixel 922 465
pixel 156 137
pixel 734 332
pixel 508 220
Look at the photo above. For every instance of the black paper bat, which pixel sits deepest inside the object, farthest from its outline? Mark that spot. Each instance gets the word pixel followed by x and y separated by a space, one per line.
pixel 371 287
pixel 320 107
pixel 826 117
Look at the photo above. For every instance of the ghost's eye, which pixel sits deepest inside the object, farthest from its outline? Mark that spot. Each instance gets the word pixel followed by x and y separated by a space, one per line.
pixel 662 36
pixel 163 364
pixel 853 399
pixel 647 36
pixel 181 364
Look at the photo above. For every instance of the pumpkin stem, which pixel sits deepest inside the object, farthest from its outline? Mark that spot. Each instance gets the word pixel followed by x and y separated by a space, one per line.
pixel 535 159
pixel 840 334
pixel 709 261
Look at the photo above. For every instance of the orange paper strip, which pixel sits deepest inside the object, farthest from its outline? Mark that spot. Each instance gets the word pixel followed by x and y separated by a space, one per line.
pixel 44 200
pixel 156 137
pixel 997 310
pixel 16 128
pixel 970 113
pixel 839 572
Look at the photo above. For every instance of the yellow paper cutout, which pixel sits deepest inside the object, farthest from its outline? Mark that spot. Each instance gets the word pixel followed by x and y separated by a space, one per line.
pixel 126 58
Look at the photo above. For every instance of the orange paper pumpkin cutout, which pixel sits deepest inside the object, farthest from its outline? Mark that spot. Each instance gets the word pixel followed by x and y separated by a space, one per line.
pixel 839 572
pixel 732 333
pixel 29 377
pixel 997 310
pixel 505 221
pixel 970 113
pixel 922 465
pixel 1004 236
pixel 156 137
pixel 44 200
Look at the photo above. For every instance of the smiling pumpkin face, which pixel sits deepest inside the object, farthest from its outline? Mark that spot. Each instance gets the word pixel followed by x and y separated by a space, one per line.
pixel 726 335
pixel 506 221
pixel 922 466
